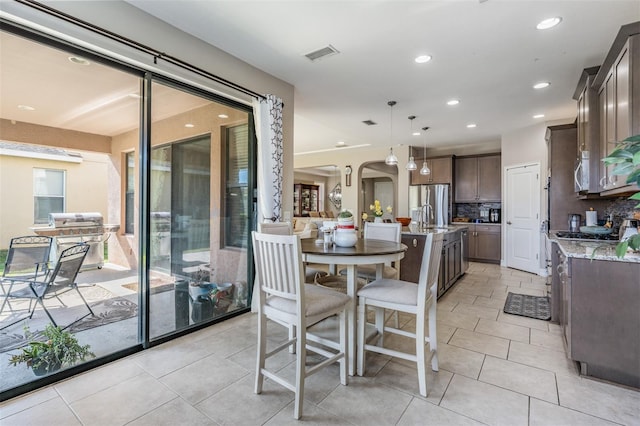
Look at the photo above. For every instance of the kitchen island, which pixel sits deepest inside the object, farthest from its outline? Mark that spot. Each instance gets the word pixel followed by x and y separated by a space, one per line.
pixel 454 260
pixel 596 300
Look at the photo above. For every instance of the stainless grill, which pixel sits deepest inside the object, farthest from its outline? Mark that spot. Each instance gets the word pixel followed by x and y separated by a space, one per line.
pixel 73 228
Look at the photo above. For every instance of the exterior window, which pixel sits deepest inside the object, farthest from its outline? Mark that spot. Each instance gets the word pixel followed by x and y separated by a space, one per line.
pixel 128 201
pixel 48 193
pixel 237 184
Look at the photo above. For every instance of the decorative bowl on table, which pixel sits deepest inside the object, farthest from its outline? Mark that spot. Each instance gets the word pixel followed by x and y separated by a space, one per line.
pixel 405 221
pixel 345 237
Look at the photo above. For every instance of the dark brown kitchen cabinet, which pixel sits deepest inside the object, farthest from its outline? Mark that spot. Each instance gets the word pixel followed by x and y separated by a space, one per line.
pixel 601 320
pixel 478 179
pixel 588 131
pixel 618 86
pixel 485 243
pixel 441 171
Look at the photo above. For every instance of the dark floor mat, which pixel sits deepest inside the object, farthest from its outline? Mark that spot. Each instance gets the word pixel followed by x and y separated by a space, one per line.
pixel 528 306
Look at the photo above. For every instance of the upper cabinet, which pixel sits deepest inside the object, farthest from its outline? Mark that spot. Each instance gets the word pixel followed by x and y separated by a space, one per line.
pixel 587 172
pixel 441 169
pixel 618 86
pixel 478 179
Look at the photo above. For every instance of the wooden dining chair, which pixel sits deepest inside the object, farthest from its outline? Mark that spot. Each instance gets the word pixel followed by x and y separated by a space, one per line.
pixel 380 231
pixel 284 298
pixel 404 296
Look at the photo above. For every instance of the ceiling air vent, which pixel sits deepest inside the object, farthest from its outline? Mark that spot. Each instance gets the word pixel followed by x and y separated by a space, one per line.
pixel 369 122
pixel 322 53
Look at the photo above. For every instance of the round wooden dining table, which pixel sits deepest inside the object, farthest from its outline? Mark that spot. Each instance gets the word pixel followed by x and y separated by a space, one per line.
pixel 365 252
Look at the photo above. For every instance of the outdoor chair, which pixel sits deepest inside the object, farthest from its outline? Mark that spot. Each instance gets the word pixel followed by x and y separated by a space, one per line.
pixel 27 258
pixel 59 280
pixel 404 296
pixel 285 299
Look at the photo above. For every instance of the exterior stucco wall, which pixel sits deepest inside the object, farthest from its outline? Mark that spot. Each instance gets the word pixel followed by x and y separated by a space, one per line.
pixel 85 185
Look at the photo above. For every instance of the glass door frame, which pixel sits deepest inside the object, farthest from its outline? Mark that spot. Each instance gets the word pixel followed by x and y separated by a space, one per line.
pixel 143 217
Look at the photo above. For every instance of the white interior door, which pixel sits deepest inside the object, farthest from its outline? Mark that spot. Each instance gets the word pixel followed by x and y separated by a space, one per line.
pixel 523 217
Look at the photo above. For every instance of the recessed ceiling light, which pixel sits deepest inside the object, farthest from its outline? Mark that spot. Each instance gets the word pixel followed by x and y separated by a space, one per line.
pixel 471 125
pixel 541 85
pixel 549 23
pixel 453 102
pixel 415 134
pixel 223 116
pixel 422 59
pixel 189 125
pixel 78 60
pixel 26 108
pixel 538 116
pixel 340 143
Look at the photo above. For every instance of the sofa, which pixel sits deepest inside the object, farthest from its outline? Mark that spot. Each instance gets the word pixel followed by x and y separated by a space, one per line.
pixel 306 227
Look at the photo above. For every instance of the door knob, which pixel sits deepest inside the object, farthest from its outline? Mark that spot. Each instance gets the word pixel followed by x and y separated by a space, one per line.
pixel 508 222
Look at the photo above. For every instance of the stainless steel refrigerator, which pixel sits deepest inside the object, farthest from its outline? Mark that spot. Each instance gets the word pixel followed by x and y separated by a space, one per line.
pixel 431 205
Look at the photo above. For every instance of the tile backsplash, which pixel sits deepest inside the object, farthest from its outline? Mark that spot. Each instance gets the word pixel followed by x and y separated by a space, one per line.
pixel 621 208
pixel 472 210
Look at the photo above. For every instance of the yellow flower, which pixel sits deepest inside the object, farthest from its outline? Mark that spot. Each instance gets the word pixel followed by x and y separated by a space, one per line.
pixel 364 216
pixel 376 208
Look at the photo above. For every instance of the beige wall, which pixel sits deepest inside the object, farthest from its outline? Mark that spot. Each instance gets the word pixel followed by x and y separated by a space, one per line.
pixel 17 131
pixel 357 159
pixel 86 186
pixel 206 122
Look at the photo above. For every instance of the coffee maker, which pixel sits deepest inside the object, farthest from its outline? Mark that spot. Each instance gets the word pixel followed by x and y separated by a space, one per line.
pixel 494 215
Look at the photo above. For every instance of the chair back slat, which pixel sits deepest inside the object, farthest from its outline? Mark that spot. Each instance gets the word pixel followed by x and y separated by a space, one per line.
pixel 68 266
pixel 383 231
pixel 430 265
pixel 278 261
pixel 26 255
pixel 277 228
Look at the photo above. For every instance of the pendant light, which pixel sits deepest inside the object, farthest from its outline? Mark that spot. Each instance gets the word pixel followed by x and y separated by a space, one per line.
pixel 391 159
pixel 425 169
pixel 411 165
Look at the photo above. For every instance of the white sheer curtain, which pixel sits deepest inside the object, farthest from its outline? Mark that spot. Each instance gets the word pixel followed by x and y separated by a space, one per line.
pixel 268 121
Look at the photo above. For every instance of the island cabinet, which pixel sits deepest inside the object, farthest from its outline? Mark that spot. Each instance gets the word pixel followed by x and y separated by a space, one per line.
pixel 485 243
pixel 618 86
pixel 450 260
pixel 601 319
pixel 478 179
pixel 441 171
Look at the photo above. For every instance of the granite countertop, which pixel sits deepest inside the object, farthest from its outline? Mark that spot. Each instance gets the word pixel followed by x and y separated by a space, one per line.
pixel 448 228
pixel 604 250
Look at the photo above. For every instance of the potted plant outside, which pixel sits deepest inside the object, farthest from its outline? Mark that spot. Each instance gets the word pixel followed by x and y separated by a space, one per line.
pixel 60 349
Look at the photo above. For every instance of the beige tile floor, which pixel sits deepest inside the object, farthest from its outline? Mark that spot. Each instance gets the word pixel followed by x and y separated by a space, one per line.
pixel 495 368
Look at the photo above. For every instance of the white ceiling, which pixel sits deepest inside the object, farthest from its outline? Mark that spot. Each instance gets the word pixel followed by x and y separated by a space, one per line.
pixel 486 54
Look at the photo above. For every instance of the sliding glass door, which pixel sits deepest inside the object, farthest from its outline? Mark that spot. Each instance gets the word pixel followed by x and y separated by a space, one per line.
pixel 199 209
pixel 73 130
